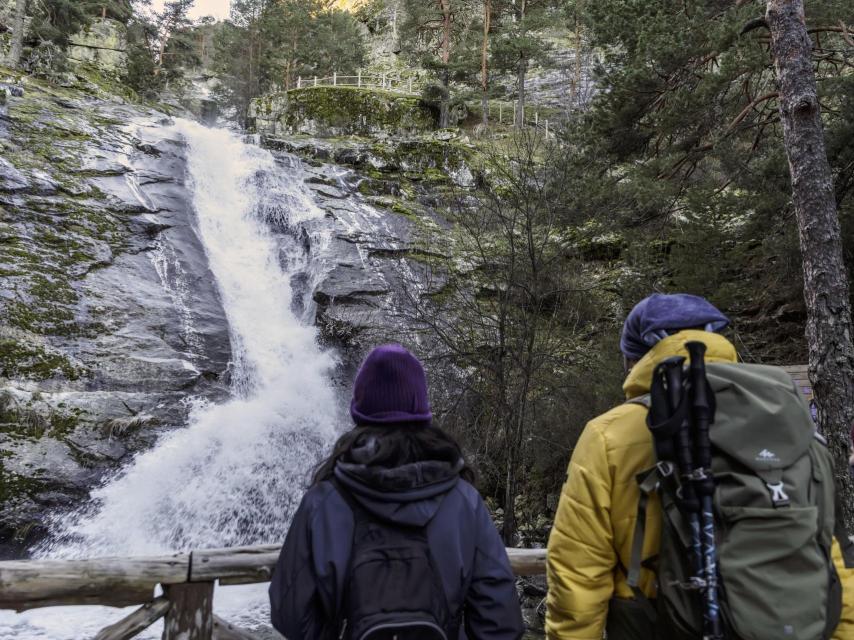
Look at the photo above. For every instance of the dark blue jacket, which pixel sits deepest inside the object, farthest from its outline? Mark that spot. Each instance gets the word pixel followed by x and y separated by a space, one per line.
pixel 307 587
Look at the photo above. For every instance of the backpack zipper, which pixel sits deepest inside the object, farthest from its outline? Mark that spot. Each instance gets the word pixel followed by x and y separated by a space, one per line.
pixel 380 627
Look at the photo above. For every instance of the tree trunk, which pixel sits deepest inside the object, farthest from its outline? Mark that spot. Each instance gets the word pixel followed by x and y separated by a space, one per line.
pixel 828 331
pixel 575 87
pixel 521 72
pixel 18 25
pixel 445 106
pixel 445 101
pixel 508 530
pixel 484 63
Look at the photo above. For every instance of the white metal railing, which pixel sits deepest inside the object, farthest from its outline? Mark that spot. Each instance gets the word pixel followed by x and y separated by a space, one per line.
pixel 384 81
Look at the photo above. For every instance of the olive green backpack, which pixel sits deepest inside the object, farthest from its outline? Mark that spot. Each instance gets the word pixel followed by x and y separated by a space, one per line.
pixel 774 519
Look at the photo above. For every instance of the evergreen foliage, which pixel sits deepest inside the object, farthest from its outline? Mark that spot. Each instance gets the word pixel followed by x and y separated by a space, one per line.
pixel 267 45
pixel 683 150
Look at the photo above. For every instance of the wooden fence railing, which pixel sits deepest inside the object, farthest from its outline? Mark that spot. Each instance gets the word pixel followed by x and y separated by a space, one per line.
pixel 187 580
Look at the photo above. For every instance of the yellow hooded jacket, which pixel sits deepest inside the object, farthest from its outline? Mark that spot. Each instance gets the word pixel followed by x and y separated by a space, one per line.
pixel 590 543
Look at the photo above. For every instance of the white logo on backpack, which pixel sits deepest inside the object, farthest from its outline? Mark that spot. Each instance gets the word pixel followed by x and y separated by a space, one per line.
pixel 767 456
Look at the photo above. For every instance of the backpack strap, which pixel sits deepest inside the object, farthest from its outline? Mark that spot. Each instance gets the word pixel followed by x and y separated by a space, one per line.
pixel 648 482
pixel 644 400
pixel 846 543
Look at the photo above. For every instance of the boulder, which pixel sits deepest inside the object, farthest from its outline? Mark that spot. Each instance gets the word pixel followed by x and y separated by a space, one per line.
pixel 325 111
pixel 103 44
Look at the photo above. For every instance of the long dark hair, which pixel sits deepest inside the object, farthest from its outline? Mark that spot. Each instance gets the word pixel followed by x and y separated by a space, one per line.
pixel 398 444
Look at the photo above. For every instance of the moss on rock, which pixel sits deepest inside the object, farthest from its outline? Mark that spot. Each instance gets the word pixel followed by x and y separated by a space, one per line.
pixel 337 111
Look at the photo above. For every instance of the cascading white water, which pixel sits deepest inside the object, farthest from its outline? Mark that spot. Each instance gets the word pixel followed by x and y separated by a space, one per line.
pixel 236 473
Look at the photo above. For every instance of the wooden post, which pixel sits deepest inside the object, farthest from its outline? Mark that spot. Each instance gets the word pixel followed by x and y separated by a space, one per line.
pixel 299 82
pixel 315 81
pixel 359 81
pixel 226 631
pixel 410 84
pixel 514 113
pixel 536 118
pixel 334 78
pixel 139 620
pixel 383 81
pixel 547 129
pixel 190 615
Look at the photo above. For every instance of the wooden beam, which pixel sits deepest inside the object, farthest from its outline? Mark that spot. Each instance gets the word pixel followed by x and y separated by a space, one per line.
pixel 226 631
pixel 243 565
pixel 139 620
pixel 237 565
pixel 190 615
pixel 527 562
pixel 120 582
pixel 115 582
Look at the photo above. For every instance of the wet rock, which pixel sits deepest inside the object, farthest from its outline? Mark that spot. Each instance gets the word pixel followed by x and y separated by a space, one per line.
pixel 11 180
pixel 13 90
pixel 110 316
pixel 349 283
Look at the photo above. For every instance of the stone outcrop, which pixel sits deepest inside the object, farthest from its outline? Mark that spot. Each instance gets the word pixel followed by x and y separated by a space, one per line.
pixel 341 111
pixel 385 240
pixel 103 44
pixel 109 317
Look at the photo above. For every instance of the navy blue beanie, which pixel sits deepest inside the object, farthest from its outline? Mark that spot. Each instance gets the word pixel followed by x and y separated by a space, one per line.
pixel 390 388
pixel 654 317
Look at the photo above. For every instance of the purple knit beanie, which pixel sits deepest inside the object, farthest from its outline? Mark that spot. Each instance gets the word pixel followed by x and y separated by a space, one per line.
pixel 390 387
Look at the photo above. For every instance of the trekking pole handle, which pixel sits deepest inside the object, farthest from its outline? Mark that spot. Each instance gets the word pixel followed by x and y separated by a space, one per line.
pixel 701 414
pixel 682 440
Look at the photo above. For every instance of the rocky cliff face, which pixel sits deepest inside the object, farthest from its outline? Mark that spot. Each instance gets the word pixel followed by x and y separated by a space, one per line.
pixel 109 317
pixel 103 44
pixel 110 321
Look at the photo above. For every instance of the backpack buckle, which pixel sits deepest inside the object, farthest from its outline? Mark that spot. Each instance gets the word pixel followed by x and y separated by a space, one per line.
pixel 665 468
pixel 779 498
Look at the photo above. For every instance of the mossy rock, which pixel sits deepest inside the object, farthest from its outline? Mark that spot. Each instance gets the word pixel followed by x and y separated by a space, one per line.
pixel 348 111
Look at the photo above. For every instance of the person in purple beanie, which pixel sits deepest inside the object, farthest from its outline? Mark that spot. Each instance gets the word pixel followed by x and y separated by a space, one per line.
pixel 392 540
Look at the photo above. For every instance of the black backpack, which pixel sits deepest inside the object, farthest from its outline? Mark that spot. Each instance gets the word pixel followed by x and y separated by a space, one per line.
pixel 392 588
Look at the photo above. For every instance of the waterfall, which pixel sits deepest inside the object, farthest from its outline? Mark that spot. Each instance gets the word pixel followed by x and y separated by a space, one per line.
pixel 235 474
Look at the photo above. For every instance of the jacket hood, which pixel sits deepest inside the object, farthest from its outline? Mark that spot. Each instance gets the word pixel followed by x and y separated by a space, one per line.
pixel 718 349
pixel 409 494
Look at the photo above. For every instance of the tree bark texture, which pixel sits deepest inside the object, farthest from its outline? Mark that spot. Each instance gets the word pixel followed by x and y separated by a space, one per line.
pixel 484 62
pixel 445 53
pixel 521 68
pixel 826 292
pixel 521 72
pixel 18 25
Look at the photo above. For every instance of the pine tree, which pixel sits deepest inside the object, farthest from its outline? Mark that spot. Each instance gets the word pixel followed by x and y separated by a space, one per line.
pixel 429 34
pixel 519 43
pixel 267 45
pixel 828 302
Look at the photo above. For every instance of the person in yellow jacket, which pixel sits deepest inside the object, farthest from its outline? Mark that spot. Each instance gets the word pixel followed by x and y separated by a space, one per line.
pixel 590 544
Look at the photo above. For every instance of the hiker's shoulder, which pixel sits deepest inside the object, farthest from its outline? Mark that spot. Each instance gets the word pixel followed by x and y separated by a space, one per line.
pixel 623 425
pixel 467 495
pixel 320 497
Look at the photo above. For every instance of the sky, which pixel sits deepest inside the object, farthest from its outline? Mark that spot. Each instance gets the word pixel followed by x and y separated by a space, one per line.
pixel 216 8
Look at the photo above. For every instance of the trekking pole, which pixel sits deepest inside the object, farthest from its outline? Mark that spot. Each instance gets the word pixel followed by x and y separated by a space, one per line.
pixel 702 414
pixel 686 494
pixel 669 424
